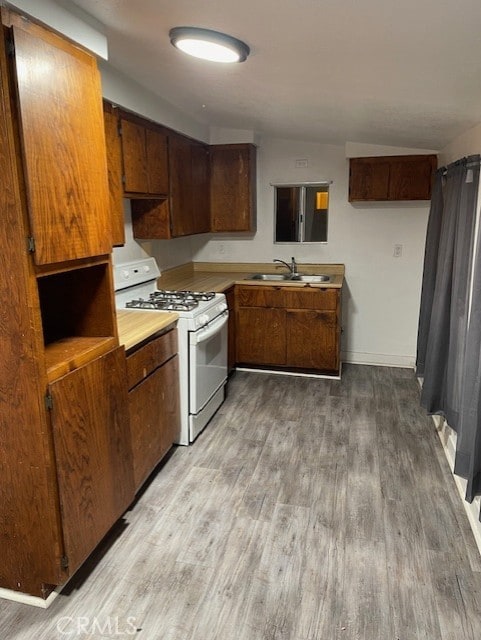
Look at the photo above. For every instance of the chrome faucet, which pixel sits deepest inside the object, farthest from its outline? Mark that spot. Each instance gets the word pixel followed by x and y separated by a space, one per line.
pixel 292 267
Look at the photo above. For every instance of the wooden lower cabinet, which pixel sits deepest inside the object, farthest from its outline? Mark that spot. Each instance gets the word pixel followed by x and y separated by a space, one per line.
pixel 92 451
pixel 312 340
pixel 288 327
pixel 153 375
pixel 261 336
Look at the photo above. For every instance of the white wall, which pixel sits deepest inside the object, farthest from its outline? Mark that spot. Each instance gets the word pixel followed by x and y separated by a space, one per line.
pixel 466 144
pixel 381 301
pixel 123 91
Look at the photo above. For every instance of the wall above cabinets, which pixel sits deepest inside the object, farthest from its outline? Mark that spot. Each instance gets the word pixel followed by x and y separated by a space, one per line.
pixel 178 186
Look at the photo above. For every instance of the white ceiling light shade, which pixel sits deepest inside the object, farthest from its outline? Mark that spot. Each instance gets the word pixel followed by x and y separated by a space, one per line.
pixel 209 45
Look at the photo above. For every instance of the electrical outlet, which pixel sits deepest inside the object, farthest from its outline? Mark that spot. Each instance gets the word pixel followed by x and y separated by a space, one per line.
pixel 398 250
pixel 221 249
pixel 302 163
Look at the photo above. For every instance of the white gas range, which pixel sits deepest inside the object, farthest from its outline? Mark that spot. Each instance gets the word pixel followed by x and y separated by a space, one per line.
pixel 202 338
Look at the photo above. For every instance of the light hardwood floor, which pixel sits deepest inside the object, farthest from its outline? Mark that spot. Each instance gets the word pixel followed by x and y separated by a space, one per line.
pixel 307 510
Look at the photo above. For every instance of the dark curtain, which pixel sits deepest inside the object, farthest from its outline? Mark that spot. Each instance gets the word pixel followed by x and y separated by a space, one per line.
pixel 468 444
pixel 430 268
pixel 445 347
pixel 446 353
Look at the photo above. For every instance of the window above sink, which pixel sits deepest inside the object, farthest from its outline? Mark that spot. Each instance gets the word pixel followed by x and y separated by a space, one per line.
pixel 301 212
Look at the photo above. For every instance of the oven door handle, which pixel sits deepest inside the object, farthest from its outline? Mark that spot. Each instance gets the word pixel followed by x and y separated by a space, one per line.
pixel 209 330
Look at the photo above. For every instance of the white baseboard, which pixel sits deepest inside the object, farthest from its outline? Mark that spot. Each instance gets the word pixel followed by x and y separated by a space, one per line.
pixel 25 598
pixel 381 359
pixel 281 372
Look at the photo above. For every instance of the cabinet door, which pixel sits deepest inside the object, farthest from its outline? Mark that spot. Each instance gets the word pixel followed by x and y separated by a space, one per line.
pixel 93 452
pixel 233 187
pixel 368 179
pixel 200 187
pixel 114 167
pixel 261 336
pixel 182 218
pixel 63 146
pixel 154 418
pixel 411 178
pixel 134 155
pixel 157 163
pixel 312 340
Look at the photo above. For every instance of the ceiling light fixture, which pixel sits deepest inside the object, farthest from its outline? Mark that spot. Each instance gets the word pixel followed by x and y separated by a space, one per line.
pixel 209 45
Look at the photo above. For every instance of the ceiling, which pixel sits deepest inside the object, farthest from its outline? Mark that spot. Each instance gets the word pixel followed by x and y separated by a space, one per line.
pixel 379 71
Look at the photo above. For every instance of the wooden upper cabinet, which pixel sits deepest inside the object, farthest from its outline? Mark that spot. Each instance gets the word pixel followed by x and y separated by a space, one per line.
pixel 61 127
pixel 144 157
pixel 391 178
pixel 411 178
pixel 181 197
pixel 189 186
pixel 368 180
pixel 114 167
pixel 233 187
pixel 200 186
pixel 157 163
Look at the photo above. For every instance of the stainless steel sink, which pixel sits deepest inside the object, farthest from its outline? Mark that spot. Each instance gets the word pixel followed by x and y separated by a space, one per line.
pixel 313 278
pixel 290 277
pixel 269 276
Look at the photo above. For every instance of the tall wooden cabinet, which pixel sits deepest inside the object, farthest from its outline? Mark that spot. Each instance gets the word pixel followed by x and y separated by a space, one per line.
pixel 65 452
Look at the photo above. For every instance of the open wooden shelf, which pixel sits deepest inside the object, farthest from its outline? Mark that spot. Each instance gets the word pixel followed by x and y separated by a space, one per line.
pixel 70 353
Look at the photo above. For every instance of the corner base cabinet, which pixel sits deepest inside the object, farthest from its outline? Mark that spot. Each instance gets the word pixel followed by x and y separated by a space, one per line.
pixel 292 328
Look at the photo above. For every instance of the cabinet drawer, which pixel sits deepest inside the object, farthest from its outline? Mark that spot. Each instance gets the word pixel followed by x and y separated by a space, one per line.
pixel 261 296
pixel 311 298
pixel 150 356
pixel 287 297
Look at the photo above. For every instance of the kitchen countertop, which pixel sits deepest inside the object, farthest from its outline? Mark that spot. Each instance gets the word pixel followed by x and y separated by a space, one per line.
pixel 218 276
pixel 135 326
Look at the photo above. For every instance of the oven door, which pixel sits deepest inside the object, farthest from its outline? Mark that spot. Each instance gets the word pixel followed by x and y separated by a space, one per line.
pixel 207 362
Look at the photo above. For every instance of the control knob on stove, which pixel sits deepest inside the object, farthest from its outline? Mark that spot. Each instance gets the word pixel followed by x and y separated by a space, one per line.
pixel 203 319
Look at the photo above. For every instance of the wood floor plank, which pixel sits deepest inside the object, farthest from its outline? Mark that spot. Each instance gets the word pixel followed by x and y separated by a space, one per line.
pixel 412 603
pixel 365 593
pixel 225 604
pixel 451 609
pixel 276 592
pixel 306 510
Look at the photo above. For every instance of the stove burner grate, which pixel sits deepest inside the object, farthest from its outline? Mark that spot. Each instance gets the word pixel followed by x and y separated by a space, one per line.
pixel 183 295
pixel 162 305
